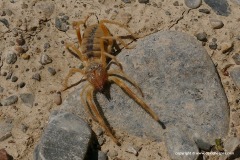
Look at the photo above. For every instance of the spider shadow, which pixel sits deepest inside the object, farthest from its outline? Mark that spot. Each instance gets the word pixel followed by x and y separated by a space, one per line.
pixel 107 93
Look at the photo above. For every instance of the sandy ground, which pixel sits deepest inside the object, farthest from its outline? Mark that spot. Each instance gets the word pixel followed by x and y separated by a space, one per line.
pixel 35 21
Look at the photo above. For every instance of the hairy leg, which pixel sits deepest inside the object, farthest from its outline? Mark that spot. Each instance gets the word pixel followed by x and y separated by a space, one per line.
pixel 120 40
pixel 104 54
pixel 72 48
pixel 120 25
pixel 99 116
pixel 76 26
pixel 84 101
pixel 119 73
pixel 70 73
pixel 134 97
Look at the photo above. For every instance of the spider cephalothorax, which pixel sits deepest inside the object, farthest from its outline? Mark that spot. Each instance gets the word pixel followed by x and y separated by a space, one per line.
pixel 96 75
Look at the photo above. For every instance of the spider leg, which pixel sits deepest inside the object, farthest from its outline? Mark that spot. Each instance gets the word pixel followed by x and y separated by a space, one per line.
pixel 87 109
pixel 70 73
pixel 138 100
pixel 99 116
pixel 120 25
pixel 76 26
pixel 104 54
pixel 120 74
pixel 72 48
pixel 117 38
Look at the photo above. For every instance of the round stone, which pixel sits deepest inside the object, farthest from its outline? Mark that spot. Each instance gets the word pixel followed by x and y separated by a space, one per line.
pixel 193 3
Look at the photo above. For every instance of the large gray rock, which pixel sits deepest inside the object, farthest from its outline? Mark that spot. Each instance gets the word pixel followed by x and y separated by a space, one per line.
pixel 180 84
pixel 235 75
pixel 67 137
pixel 221 7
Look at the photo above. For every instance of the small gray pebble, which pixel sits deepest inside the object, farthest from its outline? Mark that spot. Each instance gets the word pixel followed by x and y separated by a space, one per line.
pixel 61 24
pixel 167 13
pixel 15 32
pixel 143 1
pixel 46 45
pixel 52 71
pixel 5 22
pixel 99 131
pixel 24 128
pixel 9 75
pixel 214 40
pixel 10 100
pixel 11 43
pixel 5 130
pixel 45 59
pixel 193 3
pixel 8 12
pixel 202 36
pixel 61 14
pixel 1 89
pixel 213 45
pixel 65 18
pixel 36 77
pixel 101 141
pixel 236 58
pixel 25 48
pixel 176 3
pixel 206 11
pixel 14 79
pixel 27 98
pixel 22 84
pixel 11 58
pixel 126 1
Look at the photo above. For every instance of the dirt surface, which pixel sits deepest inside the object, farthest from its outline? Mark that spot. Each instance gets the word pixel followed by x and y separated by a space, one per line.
pixel 35 21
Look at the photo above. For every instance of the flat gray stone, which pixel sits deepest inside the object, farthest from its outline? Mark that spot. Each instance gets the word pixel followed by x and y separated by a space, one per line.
pixel 221 7
pixel 5 130
pixel 236 2
pixel 66 137
pixel 10 100
pixel 179 146
pixel 180 84
pixel 27 98
pixel 235 75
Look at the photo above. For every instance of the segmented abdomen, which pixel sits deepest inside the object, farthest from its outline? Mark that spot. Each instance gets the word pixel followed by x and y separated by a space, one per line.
pixel 91 42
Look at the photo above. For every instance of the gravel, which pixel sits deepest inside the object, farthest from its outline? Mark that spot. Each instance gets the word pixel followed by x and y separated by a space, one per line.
pixel 36 76
pixel 216 24
pixel 10 100
pixel 52 71
pixel 11 58
pixel 45 59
